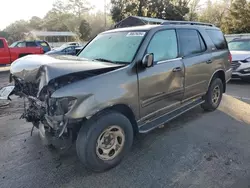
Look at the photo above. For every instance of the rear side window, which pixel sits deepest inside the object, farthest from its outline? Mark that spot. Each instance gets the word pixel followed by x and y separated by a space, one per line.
pixel 21 44
pixel 191 42
pixel 43 43
pixel 1 44
pixel 163 45
pixel 30 44
pixel 217 38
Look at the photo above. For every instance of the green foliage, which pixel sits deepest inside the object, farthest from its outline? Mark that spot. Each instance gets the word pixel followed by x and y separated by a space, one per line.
pixel 4 34
pixel 238 19
pixel 165 9
pixel 16 30
pixel 70 15
pixel 84 30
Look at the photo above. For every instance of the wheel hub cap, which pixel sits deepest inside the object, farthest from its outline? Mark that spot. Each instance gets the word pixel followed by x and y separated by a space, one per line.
pixel 110 143
pixel 216 95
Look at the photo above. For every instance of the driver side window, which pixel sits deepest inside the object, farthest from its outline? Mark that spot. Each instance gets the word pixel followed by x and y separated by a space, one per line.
pixel 163 45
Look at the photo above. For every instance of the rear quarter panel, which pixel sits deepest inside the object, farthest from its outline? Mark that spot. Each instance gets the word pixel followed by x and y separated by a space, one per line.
pixel 220 58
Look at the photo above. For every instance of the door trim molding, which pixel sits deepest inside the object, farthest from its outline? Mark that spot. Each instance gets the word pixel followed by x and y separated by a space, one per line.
pixel 159 97
pixel 169 60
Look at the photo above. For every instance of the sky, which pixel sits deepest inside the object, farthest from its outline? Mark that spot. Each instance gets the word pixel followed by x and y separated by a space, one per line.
pixel 12 10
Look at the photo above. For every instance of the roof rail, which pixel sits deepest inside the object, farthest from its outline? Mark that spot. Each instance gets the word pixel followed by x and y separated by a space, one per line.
pixel 188 23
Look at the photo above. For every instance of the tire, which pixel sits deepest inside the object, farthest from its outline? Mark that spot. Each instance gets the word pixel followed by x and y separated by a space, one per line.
pixel 90 133
pixel 210 104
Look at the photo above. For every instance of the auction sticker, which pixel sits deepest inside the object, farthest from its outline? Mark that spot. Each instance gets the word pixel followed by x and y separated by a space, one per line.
pixel 136 34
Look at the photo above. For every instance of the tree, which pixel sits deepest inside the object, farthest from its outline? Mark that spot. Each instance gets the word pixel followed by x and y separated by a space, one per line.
pixel 35 23
pixel 17 30
pixel 165 9
pixel 118 10
pixel 238 19
pixel 193 5
pixel 4 34
pixel 214 12
pixel 84 30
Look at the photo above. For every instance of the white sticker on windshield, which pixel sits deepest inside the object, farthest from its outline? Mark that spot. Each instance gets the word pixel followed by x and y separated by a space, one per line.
pixel 136 34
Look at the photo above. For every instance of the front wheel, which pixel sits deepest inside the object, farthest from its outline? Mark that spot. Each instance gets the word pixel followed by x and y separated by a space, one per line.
pixel 104 140
pixel 213 96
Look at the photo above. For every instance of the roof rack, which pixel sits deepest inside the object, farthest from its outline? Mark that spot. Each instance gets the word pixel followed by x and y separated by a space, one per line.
pixel 188 23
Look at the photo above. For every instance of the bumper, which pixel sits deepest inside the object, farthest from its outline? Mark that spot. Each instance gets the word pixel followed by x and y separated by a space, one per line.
pixel 240 75
pixel 228 75
pixel 49 139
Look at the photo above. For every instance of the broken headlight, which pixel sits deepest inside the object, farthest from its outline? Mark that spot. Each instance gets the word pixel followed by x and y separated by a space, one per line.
pixel 60 106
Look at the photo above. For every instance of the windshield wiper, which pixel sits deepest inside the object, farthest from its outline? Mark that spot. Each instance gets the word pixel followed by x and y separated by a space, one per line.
pixel 104 60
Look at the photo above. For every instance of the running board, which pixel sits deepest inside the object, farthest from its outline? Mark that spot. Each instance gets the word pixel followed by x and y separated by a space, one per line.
pixel 151 125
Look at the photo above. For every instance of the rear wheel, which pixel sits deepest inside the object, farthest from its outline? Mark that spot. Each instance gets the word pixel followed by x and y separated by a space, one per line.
pixel 104 140
pixel 213 96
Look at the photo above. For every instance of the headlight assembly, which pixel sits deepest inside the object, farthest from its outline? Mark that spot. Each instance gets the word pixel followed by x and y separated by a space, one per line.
pixel 60 106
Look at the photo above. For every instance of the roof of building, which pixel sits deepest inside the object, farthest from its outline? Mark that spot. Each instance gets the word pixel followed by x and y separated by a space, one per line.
pixel 52 33
pixel 147 19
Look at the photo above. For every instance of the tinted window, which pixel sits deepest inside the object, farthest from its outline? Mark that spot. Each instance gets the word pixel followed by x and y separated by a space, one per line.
pixel 30 44
pixel 190 42
pixel 218 38
pixel 1 44
pixel 69 49
pixel 43 43
pixel 163 45
pixel 21 44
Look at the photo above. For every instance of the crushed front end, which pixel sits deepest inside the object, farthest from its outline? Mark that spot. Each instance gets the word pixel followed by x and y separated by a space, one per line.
pixel 37 78
pixel 48 114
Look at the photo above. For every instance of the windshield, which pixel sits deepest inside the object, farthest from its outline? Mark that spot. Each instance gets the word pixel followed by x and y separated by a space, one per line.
pixel 119 47
pixel 13 45
pixel 239 45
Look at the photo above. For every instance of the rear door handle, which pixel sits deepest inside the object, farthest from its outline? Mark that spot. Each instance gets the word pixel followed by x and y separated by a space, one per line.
pixel 177 69
pixel 209 61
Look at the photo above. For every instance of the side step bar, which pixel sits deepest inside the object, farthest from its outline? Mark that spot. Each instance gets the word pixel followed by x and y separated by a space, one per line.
pixel 149 126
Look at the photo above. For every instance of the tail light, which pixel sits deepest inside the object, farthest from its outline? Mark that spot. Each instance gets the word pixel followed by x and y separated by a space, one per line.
pixel 230 57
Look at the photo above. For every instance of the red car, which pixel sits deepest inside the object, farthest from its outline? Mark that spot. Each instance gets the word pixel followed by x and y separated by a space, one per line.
pixel 9 54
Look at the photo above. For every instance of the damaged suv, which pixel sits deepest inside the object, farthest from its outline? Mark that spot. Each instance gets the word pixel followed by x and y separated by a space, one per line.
pixel 125 81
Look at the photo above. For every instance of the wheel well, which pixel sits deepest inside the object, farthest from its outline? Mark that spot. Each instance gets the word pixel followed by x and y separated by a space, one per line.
pixel 221 74
pixel 126 111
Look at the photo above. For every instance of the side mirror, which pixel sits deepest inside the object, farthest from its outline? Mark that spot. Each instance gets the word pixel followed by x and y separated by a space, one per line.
pixel 148 60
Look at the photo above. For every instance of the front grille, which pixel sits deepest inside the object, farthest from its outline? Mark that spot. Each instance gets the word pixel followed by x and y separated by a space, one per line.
pixel 235 65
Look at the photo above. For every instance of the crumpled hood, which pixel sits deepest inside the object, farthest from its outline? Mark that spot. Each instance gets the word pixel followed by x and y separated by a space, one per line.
pixel 240 55
pixel 29 68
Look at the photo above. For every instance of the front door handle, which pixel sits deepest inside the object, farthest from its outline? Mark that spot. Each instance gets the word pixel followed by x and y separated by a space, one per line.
pixel 209 61
pixel 177 69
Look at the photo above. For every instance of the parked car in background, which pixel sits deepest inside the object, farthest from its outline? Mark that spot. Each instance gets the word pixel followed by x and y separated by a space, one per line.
pixel 10 54
pixel 240 50
pixel 71 44
pixel 32 43
pixel 124 82
pixel 64 50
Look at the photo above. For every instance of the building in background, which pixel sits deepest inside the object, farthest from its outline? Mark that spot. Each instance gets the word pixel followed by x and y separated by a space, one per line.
pixel 54 38
pixel 137 20
pixel 230 37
